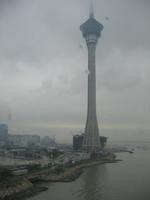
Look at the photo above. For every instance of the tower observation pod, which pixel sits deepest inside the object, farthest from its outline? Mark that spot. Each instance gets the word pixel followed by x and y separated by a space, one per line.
pixel 91 31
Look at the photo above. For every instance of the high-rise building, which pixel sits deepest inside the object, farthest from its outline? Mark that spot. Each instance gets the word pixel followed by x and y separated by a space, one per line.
pixel 78 142
pixel 91 31
pixel 24 140
pixel 3 134
pixel 48 141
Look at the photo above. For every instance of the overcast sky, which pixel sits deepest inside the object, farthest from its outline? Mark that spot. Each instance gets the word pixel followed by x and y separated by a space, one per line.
pixel 43 63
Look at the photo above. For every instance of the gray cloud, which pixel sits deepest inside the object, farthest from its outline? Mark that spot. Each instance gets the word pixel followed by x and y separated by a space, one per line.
pixel 42 65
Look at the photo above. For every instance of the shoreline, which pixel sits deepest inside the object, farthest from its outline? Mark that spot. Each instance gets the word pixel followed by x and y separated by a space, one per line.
pixel 29 187
pixel 74 172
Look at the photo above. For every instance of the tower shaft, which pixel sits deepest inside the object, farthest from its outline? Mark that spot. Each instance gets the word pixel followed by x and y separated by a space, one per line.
pixel 91 140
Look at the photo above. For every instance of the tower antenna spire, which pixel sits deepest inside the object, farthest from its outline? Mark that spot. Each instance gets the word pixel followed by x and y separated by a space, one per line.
pixel 91 9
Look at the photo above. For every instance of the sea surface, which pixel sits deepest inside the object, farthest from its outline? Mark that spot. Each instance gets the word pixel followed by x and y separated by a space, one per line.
pixel 126 180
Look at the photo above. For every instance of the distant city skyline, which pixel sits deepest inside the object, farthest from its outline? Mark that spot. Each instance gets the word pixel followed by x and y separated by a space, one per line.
pixel 43 67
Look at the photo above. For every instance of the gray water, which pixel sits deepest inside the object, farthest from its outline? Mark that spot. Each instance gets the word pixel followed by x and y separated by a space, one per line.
pixel 126 180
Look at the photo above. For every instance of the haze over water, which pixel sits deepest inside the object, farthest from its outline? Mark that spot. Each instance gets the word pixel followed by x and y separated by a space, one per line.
pixel 126 180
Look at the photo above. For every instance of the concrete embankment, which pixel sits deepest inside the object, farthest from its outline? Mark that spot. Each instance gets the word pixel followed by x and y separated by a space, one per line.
pixel 69 175
pixel 73 173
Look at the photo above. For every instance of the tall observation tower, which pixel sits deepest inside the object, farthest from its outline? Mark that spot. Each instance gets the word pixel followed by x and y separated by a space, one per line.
pixel 91 31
